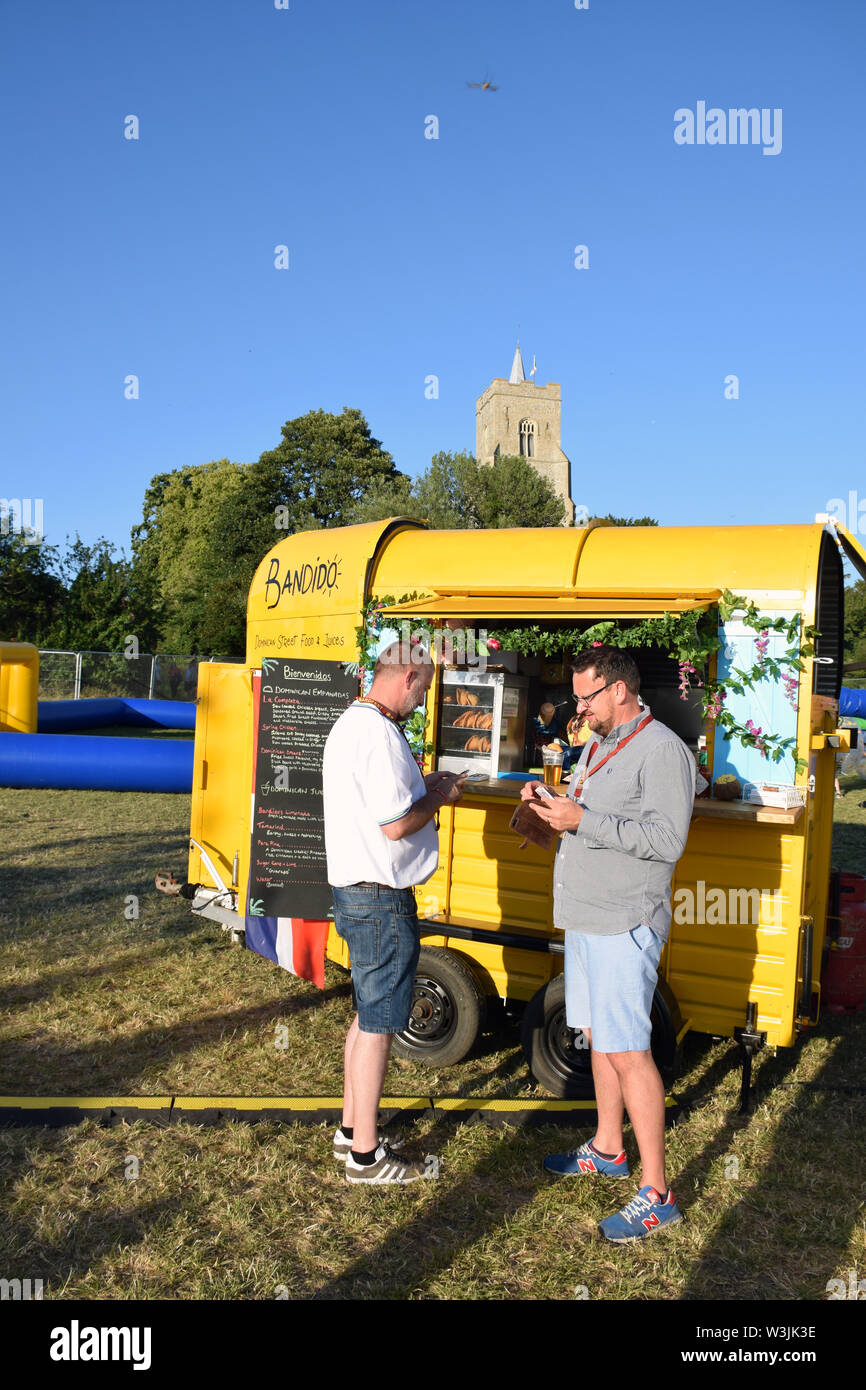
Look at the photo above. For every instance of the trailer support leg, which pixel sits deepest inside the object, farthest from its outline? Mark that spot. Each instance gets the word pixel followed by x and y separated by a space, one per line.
pixel 750 1041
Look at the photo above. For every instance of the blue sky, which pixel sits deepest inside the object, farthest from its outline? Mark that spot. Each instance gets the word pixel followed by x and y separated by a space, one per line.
pixel 411 257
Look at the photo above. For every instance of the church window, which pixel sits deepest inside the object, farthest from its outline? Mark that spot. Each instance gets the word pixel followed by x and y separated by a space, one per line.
pixel 527 439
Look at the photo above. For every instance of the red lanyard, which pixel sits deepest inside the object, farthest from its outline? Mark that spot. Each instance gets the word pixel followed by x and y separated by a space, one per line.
pixel 612 754
pixel 384 710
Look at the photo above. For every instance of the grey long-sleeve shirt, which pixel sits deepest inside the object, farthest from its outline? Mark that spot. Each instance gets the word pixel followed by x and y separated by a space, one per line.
pixel 614 871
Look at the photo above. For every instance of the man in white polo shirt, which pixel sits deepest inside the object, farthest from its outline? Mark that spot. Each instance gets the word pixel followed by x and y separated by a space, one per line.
pixel 380 841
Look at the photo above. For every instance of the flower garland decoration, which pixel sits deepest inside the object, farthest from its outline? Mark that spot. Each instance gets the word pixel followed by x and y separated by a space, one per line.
pixel 693 641
pixel 690 638
pixel 785 668
pixel 687 669
pixel 367 637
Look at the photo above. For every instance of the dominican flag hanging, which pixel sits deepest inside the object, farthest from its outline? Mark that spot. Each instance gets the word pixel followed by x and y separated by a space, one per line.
pixel 295 943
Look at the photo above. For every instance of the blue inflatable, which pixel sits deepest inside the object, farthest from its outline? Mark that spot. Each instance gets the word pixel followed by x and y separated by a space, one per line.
pixel 852 703
pixel 96 764
pixel 64 716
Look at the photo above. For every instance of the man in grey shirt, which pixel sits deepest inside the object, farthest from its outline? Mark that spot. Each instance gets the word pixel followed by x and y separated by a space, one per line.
pixel 623 826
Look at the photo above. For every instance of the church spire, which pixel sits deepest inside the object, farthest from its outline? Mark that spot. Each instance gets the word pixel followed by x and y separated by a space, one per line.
pixel 517 372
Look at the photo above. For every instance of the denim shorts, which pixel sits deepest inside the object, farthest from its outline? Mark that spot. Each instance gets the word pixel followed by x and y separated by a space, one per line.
pixel 609 986
pixel 380 927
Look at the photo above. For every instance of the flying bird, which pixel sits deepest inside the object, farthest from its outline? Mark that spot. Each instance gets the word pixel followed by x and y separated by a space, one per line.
pixel 483 86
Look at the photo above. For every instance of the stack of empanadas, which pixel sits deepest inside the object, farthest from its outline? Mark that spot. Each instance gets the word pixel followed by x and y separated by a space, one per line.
pixel 477 720
pixel 466 697
pixel 477 744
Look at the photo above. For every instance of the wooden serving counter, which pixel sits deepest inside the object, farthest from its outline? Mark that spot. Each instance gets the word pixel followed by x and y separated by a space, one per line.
pixel 708 809
pixel 502 788
pixel 705 808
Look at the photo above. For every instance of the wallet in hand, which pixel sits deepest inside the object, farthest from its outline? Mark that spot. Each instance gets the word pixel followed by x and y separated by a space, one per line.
pixel 526 823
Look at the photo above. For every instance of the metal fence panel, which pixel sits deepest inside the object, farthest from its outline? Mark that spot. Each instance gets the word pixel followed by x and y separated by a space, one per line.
pixel 174 677
pixel 92 675
pixel 112 673
pixel 57 675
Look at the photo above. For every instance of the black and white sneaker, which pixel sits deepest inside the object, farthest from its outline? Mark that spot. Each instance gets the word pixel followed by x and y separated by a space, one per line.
pixel 343 1144
pixel 388 1167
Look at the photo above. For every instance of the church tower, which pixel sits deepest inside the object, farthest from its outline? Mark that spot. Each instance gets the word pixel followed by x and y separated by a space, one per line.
pixel 516 417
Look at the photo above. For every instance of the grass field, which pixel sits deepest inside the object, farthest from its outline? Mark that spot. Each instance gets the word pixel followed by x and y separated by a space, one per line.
pixel 99 1001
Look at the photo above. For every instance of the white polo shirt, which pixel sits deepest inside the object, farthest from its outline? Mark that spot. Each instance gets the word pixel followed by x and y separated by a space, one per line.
pixel 369 779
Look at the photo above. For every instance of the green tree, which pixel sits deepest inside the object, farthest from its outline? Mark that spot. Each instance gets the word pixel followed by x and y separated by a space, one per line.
pixel 83 597
pixel 205 528
pixel 387 497
pixel 458 493
pixel 511 492
pixel 103 604
pixel 611 520
pixel 31 595
pixel 323 466
pixel 447 494
pixel 855 622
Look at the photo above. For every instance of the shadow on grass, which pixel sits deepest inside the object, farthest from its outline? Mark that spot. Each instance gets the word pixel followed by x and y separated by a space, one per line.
pixel 22 996
pixel 94 1234
pixel 164 842
pixel 768 1246
pixel 729 1268
pixel 107 862
pixel 429 1244
pixel 511 1071
pixel 112 1068
pixel 704 1082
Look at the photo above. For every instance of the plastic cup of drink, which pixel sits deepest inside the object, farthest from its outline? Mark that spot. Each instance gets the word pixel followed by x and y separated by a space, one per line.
pixel 552 760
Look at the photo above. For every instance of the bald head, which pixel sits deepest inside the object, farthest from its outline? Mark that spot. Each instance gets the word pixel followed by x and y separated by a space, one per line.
pixel 402 657
pixel 402 676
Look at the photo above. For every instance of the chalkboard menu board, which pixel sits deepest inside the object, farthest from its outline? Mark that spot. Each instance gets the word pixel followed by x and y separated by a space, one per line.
pixel 295 704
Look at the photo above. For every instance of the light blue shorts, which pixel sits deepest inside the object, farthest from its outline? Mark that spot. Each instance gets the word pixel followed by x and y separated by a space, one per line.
pixel 618 974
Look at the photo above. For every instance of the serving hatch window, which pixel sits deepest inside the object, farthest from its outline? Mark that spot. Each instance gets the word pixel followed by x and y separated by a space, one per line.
pixel 550 679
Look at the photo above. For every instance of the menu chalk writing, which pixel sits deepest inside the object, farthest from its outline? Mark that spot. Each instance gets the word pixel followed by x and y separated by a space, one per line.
pixel 295 704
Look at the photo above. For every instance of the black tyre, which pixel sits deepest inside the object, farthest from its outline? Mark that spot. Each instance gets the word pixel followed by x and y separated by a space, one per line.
pixel 447 1010
pixel 560 1058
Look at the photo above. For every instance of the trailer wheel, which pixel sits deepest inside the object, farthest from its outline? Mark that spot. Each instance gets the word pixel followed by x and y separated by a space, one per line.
pixel 447 1010
pixel 559 1057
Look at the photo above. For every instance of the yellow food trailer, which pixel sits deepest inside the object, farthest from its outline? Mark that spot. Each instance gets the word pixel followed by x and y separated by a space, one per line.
pixel 751 891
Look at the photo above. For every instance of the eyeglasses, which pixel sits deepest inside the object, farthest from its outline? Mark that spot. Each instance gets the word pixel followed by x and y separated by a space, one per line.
pixel 586 699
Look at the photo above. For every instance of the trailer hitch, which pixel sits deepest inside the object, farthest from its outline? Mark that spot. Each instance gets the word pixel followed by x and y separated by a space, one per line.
pixel 169 884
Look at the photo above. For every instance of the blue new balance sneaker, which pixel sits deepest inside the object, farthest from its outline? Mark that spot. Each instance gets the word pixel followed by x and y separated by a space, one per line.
pixel 586 1160
pixel 644 1214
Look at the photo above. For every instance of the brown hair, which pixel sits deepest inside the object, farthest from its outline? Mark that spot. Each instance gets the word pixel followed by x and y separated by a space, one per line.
pixel 610 664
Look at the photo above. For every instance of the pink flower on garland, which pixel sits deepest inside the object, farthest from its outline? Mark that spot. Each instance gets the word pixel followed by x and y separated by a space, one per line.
pixel 791 684
pixel 714 704
pixel 756 731
pixel 687 670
